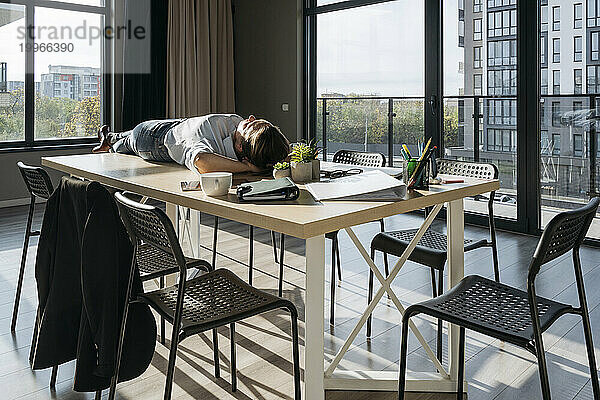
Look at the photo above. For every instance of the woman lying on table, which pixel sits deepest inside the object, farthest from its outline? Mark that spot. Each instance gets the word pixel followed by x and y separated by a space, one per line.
pixel 214 142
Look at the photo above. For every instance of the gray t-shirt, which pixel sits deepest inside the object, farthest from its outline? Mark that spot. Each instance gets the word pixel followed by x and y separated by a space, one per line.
pixel 211 133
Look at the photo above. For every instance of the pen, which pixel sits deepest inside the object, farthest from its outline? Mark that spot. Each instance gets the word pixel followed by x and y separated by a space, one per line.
pixel 405 147
pixel 426 148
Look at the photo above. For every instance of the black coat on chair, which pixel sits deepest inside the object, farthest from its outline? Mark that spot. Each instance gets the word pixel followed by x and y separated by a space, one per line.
pixel 84 256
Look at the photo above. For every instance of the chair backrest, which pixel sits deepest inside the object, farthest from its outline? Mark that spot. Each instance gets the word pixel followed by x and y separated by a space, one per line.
pixel 565 232
pixel 361 158
pixel 469 169
pixel 150 225
pixel 37 180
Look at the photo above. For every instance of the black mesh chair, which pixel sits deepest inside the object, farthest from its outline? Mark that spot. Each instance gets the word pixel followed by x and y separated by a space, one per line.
pixel 38 184
pixel 431 250
pixel 208 301
pixel 515 316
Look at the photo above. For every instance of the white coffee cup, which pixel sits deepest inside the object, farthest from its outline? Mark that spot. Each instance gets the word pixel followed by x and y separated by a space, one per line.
pixel 216 183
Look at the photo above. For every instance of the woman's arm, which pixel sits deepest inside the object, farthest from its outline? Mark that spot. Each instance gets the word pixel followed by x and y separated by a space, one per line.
pixel 210 162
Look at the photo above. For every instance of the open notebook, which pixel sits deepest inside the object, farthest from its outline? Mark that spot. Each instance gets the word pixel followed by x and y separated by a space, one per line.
pixel 368 186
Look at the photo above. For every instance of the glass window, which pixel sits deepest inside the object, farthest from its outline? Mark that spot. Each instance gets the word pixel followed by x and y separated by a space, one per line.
pixel 544 79
pixel 592 74
pixel 577 105
pixel 544 142
pixel 556 144
pixel 593 17
pixel 477 29
pixel 577 145
pixel 544 19
pixel 477 5
pixel 477 84
pixel 577 15
pixel 556 18
pixel 555 113
pixel 577 81
pixel 543 46
pixel 594 55
pixel 577 48
pixel 556 50
pixel 556 82
pixel 12 73
pixel 477 59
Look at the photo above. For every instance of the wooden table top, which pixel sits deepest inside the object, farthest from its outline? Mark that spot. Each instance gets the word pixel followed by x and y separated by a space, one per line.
pixel 302 218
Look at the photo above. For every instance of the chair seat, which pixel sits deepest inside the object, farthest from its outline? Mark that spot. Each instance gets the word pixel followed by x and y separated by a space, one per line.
pixel 431 249
pixel 492 308
pixel 213 299
pixel 153 263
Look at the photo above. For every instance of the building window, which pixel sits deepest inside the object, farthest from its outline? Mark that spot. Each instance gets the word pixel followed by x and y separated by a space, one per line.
pixel 577 81
pixel 577 105
pixel 578 145
pixel 544 19
pixel 477 84
pixel 501 140
pixel 556 144
pixel 477 5
pixel 502 23
pixel 556 18
pixel 593 13
pixel 555 113
pixel 477 29
pixel 594 53
pixel 577 16
pixel 544 79
pixel 543 40
pixel 502 112
pixel 556 82
pixel 577 48
pixel 477 59
pixel 593 85
pixel 500 3
pixel 556 50
pixel 502 52
pixel 502 82
pixel 544 142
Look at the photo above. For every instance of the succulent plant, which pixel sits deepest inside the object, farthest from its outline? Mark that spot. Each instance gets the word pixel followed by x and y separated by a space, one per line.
pixel 305 152
pixel 302 153
pixel 281 165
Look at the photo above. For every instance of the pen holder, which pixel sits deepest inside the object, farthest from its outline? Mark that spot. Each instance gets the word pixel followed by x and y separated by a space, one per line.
pixel 422 180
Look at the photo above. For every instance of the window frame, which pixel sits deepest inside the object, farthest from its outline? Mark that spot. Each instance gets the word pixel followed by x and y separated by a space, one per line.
pixel 555 51
pixel 556 18
pixel 577 22
pixel 577 87
pixel 29 140
pixel 577 53
pixel 555 85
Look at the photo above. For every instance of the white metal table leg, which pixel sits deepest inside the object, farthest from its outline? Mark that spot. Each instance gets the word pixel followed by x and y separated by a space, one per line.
pixel 314 357
pixel 456 270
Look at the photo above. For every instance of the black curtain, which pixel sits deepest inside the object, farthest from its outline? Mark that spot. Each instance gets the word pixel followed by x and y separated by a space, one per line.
pixel 144 95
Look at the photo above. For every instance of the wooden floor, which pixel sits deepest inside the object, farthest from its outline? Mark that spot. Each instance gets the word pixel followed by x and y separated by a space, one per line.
pixel 495 370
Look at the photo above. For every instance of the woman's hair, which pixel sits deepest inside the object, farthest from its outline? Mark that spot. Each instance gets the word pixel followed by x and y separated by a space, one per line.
pixel 265 145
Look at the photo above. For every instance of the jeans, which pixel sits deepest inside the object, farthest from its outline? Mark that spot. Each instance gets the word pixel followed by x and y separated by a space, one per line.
pixel 146 140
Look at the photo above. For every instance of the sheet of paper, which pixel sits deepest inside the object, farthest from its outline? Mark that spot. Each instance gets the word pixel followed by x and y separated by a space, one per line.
pixel 352 186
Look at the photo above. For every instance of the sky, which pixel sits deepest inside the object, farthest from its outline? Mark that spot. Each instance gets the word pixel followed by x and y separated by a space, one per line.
pixel 376 49
pixel 84 54
pixel 379 49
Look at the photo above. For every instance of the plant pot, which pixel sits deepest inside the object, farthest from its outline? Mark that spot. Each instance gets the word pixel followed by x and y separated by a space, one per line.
pixel 301 172
pixel 316 170
pixel 282 173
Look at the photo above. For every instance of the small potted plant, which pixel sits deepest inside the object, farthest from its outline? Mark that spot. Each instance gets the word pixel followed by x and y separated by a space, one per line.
pixel 316 163
pixel 301 162
pixel 282 170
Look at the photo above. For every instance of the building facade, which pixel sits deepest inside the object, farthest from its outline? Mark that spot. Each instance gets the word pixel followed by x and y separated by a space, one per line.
pixel 71 82
pixel 569 76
